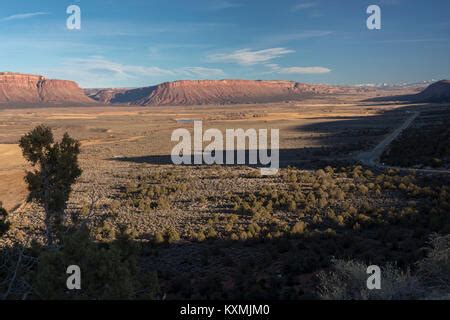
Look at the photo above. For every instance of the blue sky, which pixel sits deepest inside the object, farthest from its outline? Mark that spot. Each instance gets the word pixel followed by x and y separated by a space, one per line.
pixel 140 43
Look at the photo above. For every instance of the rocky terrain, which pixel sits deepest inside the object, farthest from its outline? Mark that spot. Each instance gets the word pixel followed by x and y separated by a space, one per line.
pixel 16 88
pixel 201 92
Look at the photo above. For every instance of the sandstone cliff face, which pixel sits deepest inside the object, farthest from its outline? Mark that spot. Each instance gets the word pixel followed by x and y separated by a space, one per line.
pixel 198 92
pixel 18 88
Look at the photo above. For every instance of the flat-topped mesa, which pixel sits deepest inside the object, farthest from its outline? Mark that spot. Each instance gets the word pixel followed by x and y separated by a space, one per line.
pixel 200 92
pixel 18 88
pixel 19 76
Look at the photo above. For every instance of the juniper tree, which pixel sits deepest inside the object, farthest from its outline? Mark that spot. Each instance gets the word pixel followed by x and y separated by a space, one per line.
pixel 55 171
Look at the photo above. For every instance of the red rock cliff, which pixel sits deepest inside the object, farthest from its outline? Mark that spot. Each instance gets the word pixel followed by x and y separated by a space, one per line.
pixel 33 89
pixel 197 92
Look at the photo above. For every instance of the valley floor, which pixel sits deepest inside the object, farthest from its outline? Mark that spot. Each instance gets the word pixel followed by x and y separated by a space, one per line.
pixel 199 222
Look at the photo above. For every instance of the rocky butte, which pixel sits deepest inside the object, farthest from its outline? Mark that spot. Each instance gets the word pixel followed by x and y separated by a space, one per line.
pixel 24 89
pixel 437 92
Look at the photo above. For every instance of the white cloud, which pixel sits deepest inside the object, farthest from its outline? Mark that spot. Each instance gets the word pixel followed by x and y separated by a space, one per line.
pixel 304 5
pixel 298 70
pixel 21 16
pixel 249 57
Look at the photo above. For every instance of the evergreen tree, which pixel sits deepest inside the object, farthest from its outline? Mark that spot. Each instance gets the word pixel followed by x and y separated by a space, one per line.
pixel 55 171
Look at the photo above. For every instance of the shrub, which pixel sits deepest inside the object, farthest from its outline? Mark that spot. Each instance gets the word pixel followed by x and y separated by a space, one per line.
pixel 211 233
pixel 109 271
pixel 202 200
pixel 254 228
pixel 348 281
pixel 434 270
pixel 363 189
pixel 158 238
pixel 105 232
pixel 115 205
pixel 229 227
pixel 201 236
pixel 163 203
pixel 234 237
pixel 173 236
pixel 298 228
pixel 243 235
pixel 323 202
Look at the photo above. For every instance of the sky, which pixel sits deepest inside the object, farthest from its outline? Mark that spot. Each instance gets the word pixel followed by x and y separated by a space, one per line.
pixel 145 42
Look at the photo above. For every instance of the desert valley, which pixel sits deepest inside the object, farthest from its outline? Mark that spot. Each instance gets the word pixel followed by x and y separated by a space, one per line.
pixel 364 177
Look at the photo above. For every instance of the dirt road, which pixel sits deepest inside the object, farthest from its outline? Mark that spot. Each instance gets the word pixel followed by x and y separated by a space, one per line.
pixel 372 158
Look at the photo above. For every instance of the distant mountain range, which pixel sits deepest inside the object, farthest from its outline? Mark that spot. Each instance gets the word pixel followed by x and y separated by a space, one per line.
pixel 25 89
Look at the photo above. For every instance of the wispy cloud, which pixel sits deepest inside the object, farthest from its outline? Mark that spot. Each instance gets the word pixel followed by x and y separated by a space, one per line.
pixel 201 72
pixel 101 65
pixel 222 4
pixel 298 70
pixel 390 2
pixel 414 40
pixel 280 38
pixel 249 57
pixel 99 71
pixel 304 5
pixel 21 16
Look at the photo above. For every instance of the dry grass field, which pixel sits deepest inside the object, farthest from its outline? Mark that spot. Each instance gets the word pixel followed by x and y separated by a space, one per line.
pixel 108 133
pixel 12 189
pixel 312 134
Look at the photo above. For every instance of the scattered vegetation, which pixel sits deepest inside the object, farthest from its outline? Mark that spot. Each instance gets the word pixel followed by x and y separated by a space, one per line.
pixel 427 144
pixel 207 233
pixel 297 224
pixel 33 270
